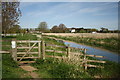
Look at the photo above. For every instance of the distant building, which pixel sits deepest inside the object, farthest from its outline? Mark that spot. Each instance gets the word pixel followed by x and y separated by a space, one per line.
pixel 94 32
pixel 73 30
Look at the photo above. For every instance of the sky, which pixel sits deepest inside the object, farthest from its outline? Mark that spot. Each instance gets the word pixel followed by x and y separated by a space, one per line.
pixel 72 14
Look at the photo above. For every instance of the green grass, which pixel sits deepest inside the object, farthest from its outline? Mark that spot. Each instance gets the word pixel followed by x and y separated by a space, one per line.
pixel 106 43
pixel 110 70
pixel 10 68
pixel 51 68
pixel 26 37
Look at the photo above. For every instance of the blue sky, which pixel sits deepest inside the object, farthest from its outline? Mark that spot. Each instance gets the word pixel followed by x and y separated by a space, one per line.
pixel 72 14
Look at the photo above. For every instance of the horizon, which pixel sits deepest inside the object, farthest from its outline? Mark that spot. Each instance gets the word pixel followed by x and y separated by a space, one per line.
pixel 72 14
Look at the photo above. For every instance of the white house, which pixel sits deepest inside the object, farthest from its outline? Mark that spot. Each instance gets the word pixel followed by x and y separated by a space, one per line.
pixel 94 32
pixel 73 30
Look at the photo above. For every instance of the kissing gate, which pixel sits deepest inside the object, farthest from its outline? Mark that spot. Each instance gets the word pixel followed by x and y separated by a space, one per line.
pixel 25 51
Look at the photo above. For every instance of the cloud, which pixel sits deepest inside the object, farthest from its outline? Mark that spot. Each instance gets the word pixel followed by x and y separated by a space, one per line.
pixel 66 10
pixel 69 0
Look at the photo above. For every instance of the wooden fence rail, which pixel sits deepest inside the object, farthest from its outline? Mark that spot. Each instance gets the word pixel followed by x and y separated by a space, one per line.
pixel 82 52
pixel 41 45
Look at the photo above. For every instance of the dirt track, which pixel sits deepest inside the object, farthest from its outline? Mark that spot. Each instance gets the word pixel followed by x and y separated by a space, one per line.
pixel 90 35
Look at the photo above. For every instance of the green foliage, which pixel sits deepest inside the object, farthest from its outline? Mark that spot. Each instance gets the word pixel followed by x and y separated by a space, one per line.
pixel 26 37
pixel 14 29
pixel 59 29
pixel 110 70
pixel 82 31
pixel 43 27
pixel 10 68
pixel 55 69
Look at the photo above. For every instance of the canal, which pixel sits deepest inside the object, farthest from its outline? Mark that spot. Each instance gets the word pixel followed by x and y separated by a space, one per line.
pixel 96 51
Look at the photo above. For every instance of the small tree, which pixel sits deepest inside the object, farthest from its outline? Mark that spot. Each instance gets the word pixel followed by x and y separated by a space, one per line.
pixel 43 27
pixel 104 30
pixel 55 29
pixel 62 28
pixel 14 29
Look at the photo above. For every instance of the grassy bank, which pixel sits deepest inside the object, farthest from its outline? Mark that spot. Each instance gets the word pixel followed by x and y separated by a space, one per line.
pixel 111 44
pixel 53 68
pixel 10 69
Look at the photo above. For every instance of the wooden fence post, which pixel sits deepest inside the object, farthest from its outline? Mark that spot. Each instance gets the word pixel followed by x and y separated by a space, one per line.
pixel 14 49
pixel 39 49
pixel 85 60
pixel 43 49
pixel 68 51
pixel 29 46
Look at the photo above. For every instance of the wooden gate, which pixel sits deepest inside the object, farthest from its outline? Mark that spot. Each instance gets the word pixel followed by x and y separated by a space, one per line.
pixel 26 51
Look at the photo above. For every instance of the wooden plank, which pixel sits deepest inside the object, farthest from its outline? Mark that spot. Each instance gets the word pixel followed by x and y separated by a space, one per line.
pixel 21 62
pixel 25 47
pixel 53 56
pixel 55 51
pixel 55 45
pixel 26 41
pixel 4 52
pixel 80 54
pixel 27 57
pixel 89 65
pixel 96 61
pixel 25 52
pixel 77 48
pixel 95 56
pixel 76 54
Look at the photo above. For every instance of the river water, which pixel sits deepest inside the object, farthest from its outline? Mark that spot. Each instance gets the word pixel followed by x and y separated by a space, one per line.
pixel 95 51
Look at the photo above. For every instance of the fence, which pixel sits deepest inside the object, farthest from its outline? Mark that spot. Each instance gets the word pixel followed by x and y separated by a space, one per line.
pixel 75 56
pixel 24 49
pixel 27 49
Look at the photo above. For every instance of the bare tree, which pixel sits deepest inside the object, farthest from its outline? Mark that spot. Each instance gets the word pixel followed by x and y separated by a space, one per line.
pixel 10 15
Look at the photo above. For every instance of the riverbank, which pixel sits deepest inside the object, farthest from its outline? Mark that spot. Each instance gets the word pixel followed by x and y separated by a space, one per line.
pixel 108 44
pixel 110 70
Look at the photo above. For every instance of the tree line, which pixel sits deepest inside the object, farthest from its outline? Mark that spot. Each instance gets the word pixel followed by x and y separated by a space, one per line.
pixel 61 28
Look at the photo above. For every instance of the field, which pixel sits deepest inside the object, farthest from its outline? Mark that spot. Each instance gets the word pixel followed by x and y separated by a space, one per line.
pixel 53 68
pixel 106 41
pixel 86 35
